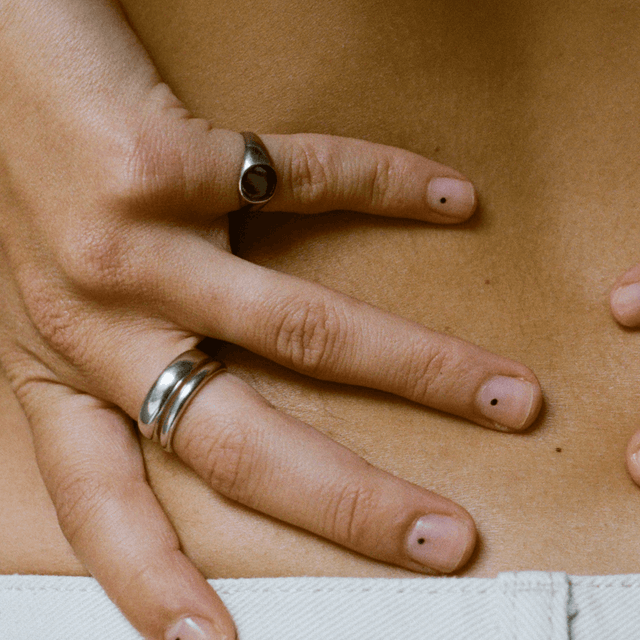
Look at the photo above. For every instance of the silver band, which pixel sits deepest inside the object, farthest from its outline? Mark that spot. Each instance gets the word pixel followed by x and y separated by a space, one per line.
pixel 171 393
pixel 258 178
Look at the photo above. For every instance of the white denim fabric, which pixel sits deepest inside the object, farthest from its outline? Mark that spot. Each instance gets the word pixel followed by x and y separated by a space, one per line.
pixel 514 606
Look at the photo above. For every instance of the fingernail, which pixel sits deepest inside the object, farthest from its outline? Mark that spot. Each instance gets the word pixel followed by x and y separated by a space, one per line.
pixel 452 197
pixel 192 629
pixel 509 402
pixel 439 542
pixel 625 303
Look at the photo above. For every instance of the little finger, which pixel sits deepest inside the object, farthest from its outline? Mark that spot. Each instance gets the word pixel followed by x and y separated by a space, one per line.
pixel 252 453
pixel 92 466
pixel 315 173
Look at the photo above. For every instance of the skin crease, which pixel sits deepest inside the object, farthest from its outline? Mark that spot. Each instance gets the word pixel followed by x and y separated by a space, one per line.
pixel 538 105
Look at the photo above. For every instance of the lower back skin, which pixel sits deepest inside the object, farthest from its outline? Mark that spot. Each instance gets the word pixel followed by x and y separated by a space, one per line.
pixel 536 103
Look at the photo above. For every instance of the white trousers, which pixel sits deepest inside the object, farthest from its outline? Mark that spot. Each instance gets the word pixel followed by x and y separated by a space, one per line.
pixel 514 606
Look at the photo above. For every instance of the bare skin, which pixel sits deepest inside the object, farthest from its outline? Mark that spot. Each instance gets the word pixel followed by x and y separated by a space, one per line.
pixel 543 121
pixel 116 258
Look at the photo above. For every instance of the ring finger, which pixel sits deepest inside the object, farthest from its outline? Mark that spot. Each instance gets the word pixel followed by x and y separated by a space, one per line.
pixel 254 454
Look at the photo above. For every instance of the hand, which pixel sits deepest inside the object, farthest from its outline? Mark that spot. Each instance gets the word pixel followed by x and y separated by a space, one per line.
pixel 115 259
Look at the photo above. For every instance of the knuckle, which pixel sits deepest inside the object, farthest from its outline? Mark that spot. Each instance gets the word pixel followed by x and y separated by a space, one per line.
pixel 153 170
pixel 56 317
pixel 79 497
pixel 308 335
pixel 140 572
pixel 229 461
pixel 379 184
pixel 429 372
pixel 148 169
pixel 96 258
pixel 350 516
pixel 308 174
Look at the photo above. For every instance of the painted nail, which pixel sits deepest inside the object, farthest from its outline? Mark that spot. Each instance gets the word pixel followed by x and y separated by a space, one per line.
pixel 439 542
pixel 192 629
pixel 452 197
pixel 509 402
pixel 625 303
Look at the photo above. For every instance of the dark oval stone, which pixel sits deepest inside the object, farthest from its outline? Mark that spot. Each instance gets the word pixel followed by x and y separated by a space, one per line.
pixel 259 182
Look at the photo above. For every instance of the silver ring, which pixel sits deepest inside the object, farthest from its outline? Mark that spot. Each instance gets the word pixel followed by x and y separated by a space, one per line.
pixel 171 393
pixel 258 177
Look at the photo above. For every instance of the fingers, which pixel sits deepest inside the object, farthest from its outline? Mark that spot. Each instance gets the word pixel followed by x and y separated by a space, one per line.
pixel 252 453
pixel 321 173
pixel 633 457
pixel 91 464
pixel 625 306
pixel 152 151
pixel 154 143
pixel 328 335
pixel 625 298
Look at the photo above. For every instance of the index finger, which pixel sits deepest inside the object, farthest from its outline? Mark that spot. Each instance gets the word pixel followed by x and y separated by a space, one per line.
pixel 325 173
pixel 315 172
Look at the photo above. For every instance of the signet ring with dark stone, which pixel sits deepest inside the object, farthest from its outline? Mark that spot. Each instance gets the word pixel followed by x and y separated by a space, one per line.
pixel 258 178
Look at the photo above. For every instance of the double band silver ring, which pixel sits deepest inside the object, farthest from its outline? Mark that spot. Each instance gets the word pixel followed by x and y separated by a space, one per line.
pixel 258 178
pixel 171 393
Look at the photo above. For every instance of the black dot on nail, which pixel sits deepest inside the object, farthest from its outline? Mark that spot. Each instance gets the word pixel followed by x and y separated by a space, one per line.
pixel 494 402
pixel 559 449
pixel 443 200
pixel 420 540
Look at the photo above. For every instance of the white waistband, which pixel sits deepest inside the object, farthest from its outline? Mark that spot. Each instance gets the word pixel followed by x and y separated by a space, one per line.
pixel 514 606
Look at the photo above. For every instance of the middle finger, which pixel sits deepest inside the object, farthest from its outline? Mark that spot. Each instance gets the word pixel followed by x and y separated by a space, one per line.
pixel 330 336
